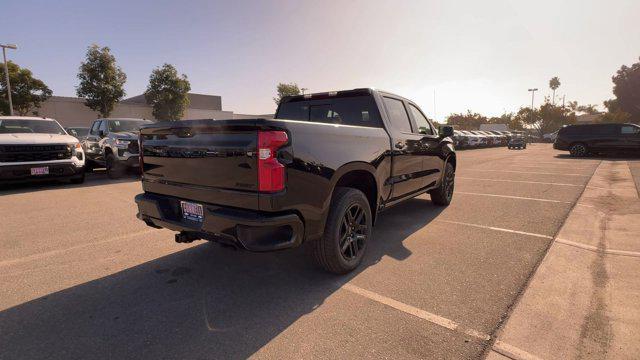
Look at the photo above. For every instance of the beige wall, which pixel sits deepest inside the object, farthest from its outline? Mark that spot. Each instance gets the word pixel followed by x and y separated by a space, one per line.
pixel 72 112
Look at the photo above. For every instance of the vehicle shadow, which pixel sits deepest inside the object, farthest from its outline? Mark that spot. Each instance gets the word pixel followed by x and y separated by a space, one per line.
pixel 203 302
pixel 94 178
pixel 610 157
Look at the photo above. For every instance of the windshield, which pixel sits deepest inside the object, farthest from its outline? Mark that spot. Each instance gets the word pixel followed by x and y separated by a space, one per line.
pixel 126 125
pixel 78 131
pixel 21 126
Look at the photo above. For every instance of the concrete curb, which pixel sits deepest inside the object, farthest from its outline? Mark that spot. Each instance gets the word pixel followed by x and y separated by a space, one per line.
pixel 582 300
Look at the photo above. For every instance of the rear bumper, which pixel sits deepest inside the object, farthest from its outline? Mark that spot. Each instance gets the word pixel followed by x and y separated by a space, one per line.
pixel 22 173
pixel 251 230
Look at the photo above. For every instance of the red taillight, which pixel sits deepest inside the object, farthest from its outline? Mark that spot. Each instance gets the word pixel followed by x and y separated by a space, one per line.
pixel 270 171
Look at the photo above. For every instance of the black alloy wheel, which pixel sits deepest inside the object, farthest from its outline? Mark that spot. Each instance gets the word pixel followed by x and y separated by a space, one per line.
pixel 353 232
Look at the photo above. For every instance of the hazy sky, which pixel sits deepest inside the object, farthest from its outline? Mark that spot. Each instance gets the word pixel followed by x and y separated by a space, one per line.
pixel 478 55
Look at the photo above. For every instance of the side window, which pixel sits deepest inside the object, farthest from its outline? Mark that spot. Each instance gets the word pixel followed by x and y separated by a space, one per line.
pixel 103 126
pixel 94 128
pixel 421 121
pixel 398 114
pixel 629 130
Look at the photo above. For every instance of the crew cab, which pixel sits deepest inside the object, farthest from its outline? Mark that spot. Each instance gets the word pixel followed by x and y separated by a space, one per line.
pixel 35 148
pixel 320 172
pixel 113 143
pixel 582 140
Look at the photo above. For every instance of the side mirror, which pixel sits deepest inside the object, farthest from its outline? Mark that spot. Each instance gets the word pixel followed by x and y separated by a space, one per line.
pixel 446 131
pixel 101 133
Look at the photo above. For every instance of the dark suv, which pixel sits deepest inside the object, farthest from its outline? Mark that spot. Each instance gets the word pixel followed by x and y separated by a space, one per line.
pixel 582 140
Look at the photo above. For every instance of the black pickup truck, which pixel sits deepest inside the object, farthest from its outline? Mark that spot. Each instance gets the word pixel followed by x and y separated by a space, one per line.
pixel 320 172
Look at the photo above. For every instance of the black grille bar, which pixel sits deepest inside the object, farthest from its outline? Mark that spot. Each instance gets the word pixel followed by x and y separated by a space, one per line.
pixel 29 153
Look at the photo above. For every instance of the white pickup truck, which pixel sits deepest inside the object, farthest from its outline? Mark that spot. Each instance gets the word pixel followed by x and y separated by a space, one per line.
pixel 35 148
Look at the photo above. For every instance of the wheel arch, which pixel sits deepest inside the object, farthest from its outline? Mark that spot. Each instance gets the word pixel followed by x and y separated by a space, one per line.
pixel 361 176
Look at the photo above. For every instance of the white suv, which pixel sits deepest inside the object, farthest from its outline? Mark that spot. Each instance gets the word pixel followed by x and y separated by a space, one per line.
pixel 33 148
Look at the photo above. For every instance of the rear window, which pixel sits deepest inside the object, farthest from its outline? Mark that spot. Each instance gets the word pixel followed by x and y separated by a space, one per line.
pixel 352 110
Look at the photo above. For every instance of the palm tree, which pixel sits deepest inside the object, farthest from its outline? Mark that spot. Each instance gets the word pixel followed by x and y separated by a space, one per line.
pixel 554 83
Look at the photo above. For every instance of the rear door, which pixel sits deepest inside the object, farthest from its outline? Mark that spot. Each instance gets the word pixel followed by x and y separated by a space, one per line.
pixel 604 137
pixel 408 151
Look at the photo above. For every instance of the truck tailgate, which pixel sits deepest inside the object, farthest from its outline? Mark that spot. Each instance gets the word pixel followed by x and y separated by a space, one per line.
pixel 202 160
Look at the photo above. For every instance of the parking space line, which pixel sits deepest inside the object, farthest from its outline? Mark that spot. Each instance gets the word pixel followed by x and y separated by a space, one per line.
pixel 496 229
pixel 549 166
pixel 512 352
pixel 81 246
pixel 514 197
pixel 529 172
pixel 518 181
pixel 411 310
pixel 596 249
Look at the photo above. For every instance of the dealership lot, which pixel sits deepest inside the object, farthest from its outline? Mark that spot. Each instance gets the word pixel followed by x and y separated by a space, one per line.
pixel 82 277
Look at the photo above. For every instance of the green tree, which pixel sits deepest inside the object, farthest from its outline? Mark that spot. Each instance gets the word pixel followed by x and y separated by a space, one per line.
pixel 27 92
pixel 468 121
pixel 590 109
pixel 284 89
pixel 101 80
pixel 167 93
pixel 554 84
pixel 512 122
pixel 548 118
pixel 626 88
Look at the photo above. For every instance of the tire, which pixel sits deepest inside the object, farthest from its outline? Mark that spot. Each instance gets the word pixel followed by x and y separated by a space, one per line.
pixel 578 150
pixel 443 194
pixel 509 147
pixel 77 179
pixel 347 231
pixel 115 170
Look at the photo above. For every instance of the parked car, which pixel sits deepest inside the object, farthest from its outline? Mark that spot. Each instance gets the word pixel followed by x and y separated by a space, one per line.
pixel 581 140
pixel 550 137
pixel 484 139
pixel 33 148
pixel 460 140
pixel 79 133
pixel 494 140
pixel 517 142
pixel 503 139
pixel 320 172
pixel 113 143
pixel 473 139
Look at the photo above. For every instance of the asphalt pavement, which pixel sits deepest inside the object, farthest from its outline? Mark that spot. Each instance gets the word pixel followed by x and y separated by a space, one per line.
pixel 81 277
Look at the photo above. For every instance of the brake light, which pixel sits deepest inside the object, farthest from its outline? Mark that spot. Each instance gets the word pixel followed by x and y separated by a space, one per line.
pixel 270 171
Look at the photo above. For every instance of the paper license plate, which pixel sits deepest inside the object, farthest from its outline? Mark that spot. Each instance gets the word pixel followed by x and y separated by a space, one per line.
pixel 40 170
pixel 192 211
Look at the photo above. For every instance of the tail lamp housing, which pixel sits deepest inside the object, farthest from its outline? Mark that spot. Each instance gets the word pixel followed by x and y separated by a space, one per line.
pixel 271 174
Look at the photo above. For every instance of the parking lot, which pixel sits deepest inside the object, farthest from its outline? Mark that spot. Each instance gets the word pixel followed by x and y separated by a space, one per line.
pixel 82 277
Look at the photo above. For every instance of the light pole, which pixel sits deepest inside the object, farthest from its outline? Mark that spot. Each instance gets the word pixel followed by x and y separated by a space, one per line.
pixel 533 91
pixel 6 73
